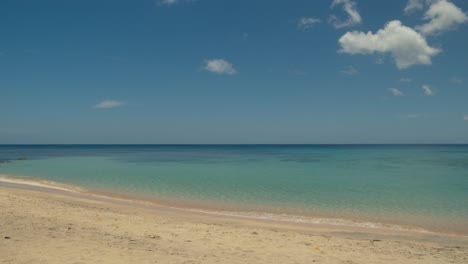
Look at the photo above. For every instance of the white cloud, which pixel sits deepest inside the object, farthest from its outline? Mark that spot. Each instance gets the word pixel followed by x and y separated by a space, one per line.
pixel 395 92
pixel 407 80
pixel 350 70
pixel 465 117
pixel 172 2
pixel 168 2
pixel 306 23
pixel 220 66
pixel 442 16
pixel 413 5
pixel 350 8
pixel 406 46
pixel 427 90
pixel 109 104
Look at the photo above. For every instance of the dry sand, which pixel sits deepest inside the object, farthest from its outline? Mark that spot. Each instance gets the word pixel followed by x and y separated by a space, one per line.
pixel 41 226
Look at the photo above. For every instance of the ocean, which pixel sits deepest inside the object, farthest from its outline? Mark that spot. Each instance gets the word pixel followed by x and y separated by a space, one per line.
pixel 416 187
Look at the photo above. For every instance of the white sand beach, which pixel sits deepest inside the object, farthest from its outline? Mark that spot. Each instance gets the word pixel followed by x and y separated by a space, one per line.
pixel 45 226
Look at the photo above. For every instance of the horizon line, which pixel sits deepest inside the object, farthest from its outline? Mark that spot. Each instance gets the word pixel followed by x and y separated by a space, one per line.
pixel 216 144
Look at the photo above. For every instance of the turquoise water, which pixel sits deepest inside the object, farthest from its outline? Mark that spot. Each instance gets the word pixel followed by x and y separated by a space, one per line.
pixel 421 186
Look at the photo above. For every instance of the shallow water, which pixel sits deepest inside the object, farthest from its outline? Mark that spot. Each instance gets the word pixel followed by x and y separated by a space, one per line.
pixel 423 186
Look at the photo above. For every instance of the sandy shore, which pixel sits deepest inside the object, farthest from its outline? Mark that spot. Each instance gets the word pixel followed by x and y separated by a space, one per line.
pixel 44 226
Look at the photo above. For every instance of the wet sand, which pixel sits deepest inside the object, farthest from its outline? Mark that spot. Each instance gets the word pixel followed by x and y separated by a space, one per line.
pixel 41 225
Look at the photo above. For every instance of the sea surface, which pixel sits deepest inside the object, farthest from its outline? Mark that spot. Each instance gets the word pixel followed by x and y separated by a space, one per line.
pixel 418 187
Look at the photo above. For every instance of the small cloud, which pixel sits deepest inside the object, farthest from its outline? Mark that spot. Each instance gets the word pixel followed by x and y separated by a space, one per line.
pixel 465 117
pixel 172 2
pixel 395 92
pixel 245 35
pixel 456 80
pixel 350 70
pixel 109 104
pixel 413 5
pixel 427 90
pixel 406 80
pixel 219 66
pixel 442 16
pixel 349 7
pixel 406 46
pixel 168 2
pixel 306 23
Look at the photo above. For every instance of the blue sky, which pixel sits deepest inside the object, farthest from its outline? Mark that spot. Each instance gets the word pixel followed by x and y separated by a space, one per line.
pixel 210 71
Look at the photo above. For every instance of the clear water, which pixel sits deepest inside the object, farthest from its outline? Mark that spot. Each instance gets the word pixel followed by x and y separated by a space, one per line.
pixel 418 185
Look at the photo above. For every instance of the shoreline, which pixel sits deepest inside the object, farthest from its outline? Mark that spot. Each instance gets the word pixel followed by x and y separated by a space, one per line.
pixel 44 226
pixel 320 223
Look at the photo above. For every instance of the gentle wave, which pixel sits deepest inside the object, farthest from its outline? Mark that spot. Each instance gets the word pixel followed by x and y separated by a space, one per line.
pixel 39 183
pixel 309 220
